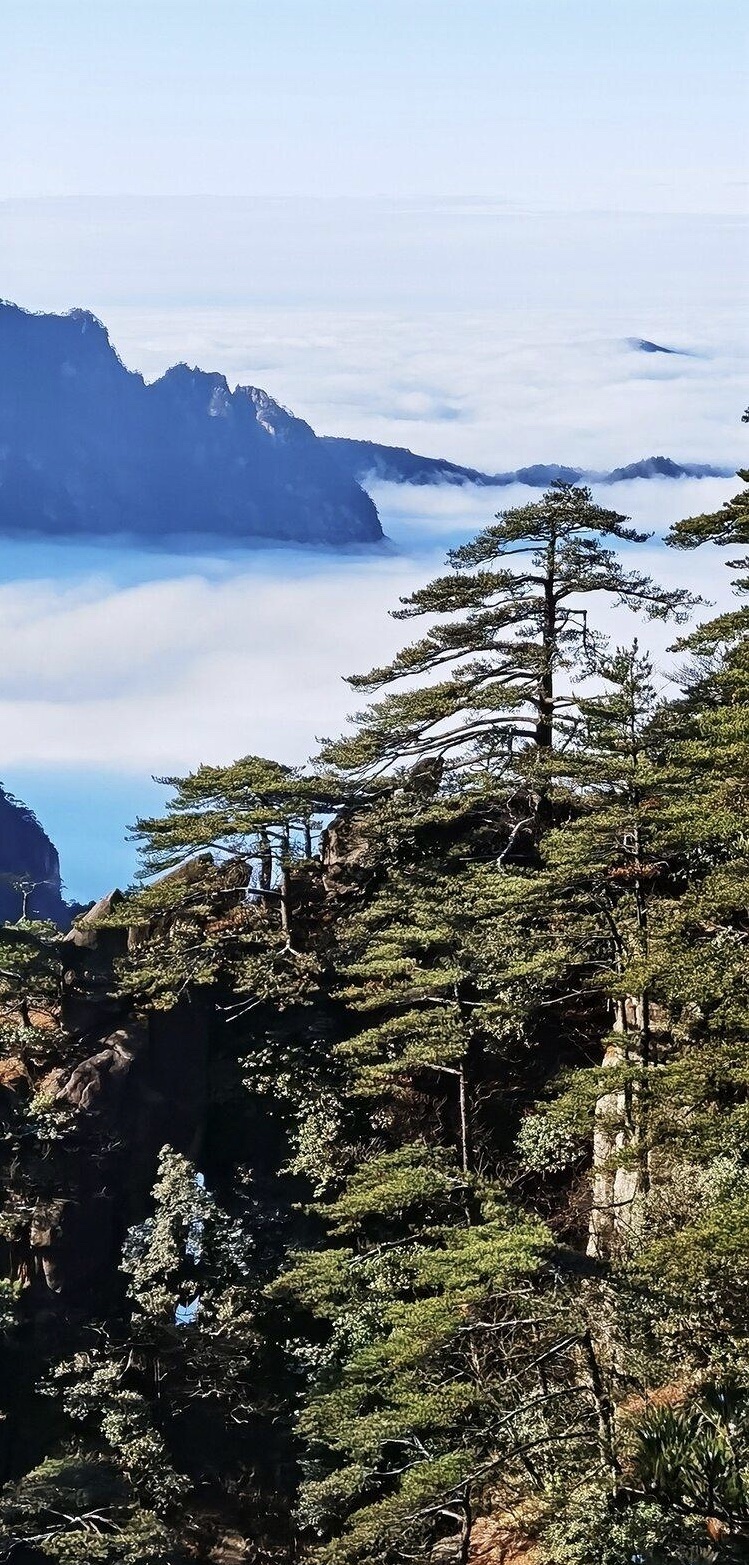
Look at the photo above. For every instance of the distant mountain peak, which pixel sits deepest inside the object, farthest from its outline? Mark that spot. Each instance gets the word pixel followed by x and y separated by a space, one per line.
pixel 87 321
pixel 644 345
pixel 275 418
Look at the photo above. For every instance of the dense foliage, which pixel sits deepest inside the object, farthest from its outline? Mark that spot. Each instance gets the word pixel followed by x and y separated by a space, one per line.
pixel 376 1175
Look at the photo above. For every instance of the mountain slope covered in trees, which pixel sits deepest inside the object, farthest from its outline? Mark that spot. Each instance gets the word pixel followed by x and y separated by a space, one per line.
pixel 376 1176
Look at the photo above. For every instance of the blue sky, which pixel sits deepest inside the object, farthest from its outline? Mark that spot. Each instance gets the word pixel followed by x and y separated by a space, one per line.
pixel 623 104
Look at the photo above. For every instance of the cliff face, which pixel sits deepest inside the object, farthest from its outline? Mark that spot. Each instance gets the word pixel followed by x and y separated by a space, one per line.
pixel 88 448
pixel 29 867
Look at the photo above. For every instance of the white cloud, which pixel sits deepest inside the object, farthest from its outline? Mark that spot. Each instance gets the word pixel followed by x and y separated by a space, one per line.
pixel 171 672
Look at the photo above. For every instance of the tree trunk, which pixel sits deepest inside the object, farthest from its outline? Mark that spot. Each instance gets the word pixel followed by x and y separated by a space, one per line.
pixel 545 718
pixel 265 872
pixel 465 1129
pixel 621 1173
pixel 286 922
pixel 604 1411
pixel 466 1529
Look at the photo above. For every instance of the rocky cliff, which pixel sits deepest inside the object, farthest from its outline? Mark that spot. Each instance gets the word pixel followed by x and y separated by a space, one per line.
pixel 88 448
pixel 29 867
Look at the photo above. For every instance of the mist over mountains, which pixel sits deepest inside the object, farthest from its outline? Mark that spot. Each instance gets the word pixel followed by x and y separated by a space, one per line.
pixel 90 449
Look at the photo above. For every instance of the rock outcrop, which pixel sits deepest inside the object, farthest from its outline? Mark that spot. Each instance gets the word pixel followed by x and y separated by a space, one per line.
pixel 645 345
pixel 343 854
pixel 88 448
pixel 30 884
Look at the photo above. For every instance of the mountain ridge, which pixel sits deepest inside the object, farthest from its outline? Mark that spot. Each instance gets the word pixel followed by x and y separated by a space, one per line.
pixel 366 459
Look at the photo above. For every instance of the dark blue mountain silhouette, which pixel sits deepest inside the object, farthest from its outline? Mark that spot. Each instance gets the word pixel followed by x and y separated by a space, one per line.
pixel 88 448
pixel 368 462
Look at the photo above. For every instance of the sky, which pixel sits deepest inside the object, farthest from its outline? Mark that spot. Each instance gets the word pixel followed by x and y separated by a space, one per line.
pixel 414 221
pixel 566 104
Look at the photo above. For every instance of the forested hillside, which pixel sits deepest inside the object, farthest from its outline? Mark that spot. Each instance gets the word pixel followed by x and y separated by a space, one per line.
pixel 375 1177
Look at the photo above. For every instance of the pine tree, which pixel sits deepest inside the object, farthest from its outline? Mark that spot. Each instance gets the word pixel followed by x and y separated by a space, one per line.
pixel 512 630
pixel 604 880
pixel 256 815
pixel 229 889
pixel 425 1392
pixel 728 526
